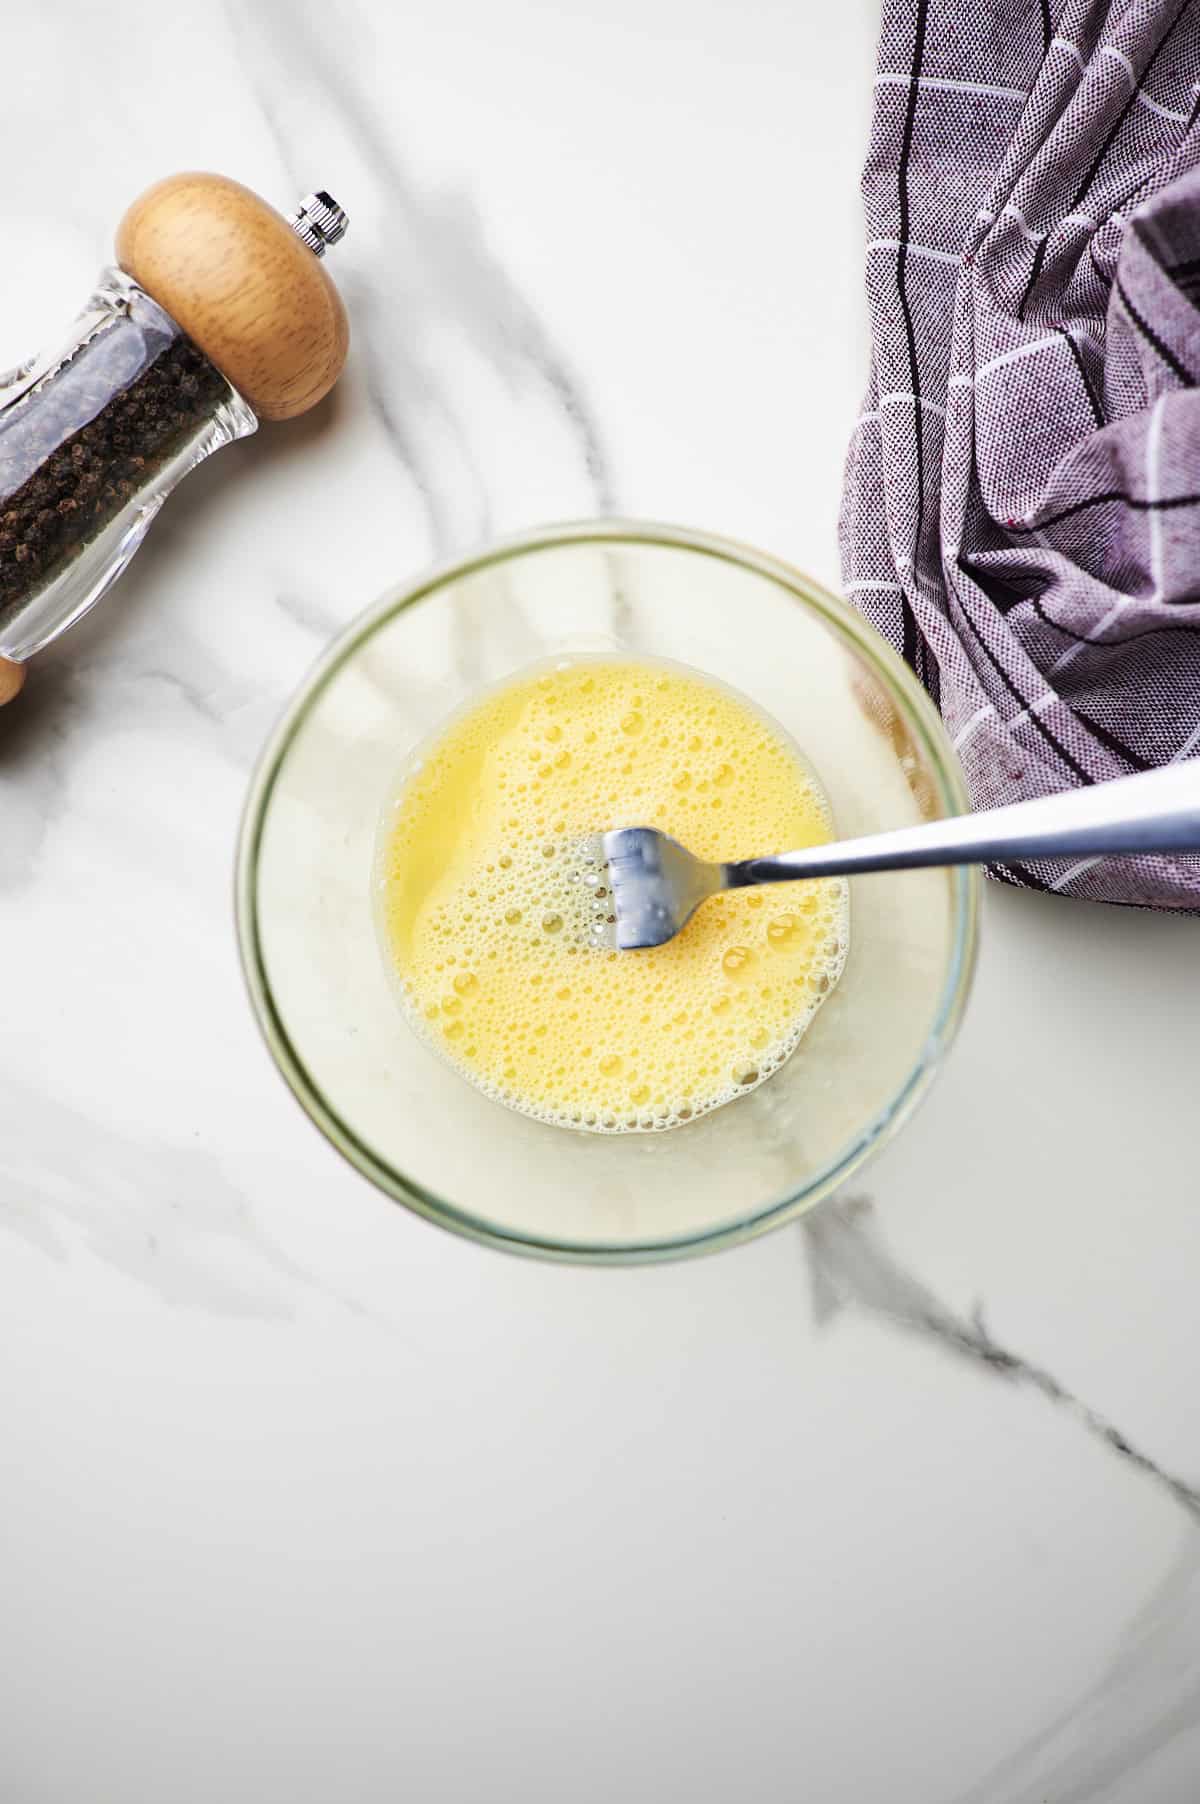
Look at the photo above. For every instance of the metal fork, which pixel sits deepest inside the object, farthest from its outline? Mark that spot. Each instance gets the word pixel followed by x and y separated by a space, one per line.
pixel 657 885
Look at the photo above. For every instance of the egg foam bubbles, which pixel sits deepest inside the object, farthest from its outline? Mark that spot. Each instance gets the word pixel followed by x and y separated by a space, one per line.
pixel 488 907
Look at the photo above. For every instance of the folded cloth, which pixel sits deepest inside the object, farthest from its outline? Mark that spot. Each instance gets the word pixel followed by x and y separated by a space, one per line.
pixel 1022 506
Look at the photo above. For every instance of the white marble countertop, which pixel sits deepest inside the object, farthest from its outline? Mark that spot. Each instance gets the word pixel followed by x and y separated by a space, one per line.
pixel 304 1500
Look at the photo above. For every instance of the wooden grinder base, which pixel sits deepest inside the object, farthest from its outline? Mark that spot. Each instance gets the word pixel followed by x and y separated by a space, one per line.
pixel 12 677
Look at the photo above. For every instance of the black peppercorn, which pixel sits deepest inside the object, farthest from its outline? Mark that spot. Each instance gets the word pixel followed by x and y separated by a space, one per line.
pixel 89 477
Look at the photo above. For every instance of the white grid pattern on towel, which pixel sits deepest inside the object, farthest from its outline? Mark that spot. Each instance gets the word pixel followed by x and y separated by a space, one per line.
pixel 1039 464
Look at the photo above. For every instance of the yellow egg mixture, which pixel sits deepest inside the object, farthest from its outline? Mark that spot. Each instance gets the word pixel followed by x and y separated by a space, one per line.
pixel 488 907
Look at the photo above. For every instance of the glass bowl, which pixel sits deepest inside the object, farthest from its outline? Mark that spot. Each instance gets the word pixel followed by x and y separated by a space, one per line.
pixel 312 957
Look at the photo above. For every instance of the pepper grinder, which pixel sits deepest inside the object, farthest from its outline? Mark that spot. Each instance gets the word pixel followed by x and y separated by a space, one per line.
pixel 217 313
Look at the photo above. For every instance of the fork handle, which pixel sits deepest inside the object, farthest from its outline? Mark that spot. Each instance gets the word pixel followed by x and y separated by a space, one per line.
pixel 1155 811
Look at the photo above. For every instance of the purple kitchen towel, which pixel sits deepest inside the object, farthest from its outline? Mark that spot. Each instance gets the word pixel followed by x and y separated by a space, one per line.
pixel 1022 507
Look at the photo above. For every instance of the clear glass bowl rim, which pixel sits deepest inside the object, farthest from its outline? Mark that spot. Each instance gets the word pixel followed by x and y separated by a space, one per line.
pixel 923 721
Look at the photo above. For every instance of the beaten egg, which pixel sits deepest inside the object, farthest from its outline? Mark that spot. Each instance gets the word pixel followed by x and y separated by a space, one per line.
pixel 488 902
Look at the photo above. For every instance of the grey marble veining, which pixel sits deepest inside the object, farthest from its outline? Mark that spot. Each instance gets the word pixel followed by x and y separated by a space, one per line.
pixel 1146 1696
pixel 162 1215
pixel 850 1266
pixel 436 290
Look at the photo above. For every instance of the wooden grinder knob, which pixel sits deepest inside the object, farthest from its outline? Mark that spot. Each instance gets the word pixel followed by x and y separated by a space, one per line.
pixel 245 288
